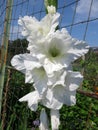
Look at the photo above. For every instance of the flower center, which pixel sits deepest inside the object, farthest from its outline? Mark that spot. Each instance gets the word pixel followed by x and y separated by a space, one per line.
pixel 54 51
pixel 41 30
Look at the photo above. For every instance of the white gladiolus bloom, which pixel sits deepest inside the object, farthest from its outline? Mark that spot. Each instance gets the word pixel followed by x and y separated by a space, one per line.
pixel 54 97
pixel 47 100
pixel 35 30
pixel 55 119
pixel 33 70
pixel 63 94
pixel 58 51
pixel 48 66
pixel 67 94
pixel 43 120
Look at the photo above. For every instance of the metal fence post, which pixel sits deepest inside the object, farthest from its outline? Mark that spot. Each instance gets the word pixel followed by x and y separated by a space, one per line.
pixel 4 47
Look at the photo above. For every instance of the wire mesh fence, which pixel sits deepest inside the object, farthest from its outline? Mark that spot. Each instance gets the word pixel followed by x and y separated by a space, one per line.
pixel 17 116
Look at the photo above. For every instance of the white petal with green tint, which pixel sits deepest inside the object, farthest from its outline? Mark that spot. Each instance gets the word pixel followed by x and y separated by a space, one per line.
pixel 35 30
pixel 32 99
pixel 40 80
pixel 30 65
pixel 33 70
pixel 58 51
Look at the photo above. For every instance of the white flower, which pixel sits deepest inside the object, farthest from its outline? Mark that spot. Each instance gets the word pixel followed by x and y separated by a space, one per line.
pixel 63 93
pixel 53 91
pixel 43 120
pixel 32 98
pixel 33 70
pixel 47 100
pixel 58 51
pixel 55 119
pixel 67 94
pixel 48 66
pixel 35 30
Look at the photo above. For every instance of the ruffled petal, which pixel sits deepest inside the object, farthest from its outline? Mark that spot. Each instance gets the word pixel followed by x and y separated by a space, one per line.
pixel 32 99
pixel 51 67
pixel 73 80
pixel 28 25
pixel 40 79
pixel 35 31
pixel 32 63
pixel 66 94
pixel 58 77
pixel 79 49
pixel 26 63
pixel 50 101
pixel 18 62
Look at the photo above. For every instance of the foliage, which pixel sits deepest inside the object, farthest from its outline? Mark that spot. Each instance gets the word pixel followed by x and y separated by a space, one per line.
pixel 82 116
pixel 90 70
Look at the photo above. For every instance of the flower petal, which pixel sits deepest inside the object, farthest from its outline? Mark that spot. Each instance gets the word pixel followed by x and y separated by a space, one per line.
pixel 40 79
pixel 73 80
pixel 55 119
pixel 35 30
pixel 28 77
pixel 32 99
pixel 50 101
pixel 43 121
pixel 58 77
pixel 51 67
pixel 18 62
pixel 79 49
pixel 32 63
pixel 64 96
pixel 69 98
